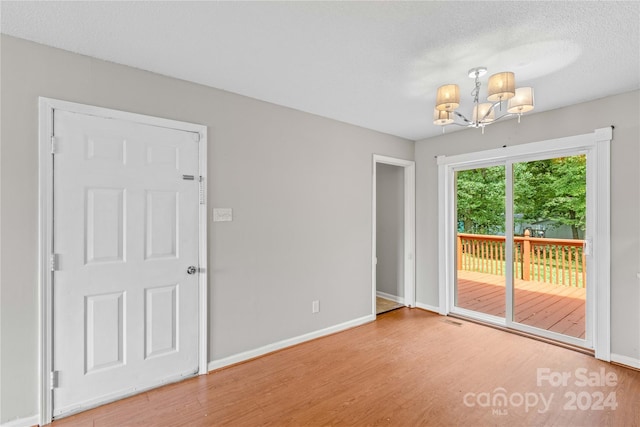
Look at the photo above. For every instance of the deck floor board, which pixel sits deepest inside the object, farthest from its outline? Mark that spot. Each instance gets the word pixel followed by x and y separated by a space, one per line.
pixel 550 307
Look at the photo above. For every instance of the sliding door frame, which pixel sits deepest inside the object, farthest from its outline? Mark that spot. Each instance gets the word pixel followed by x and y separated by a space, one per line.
pixel 587 342
pixel 597 147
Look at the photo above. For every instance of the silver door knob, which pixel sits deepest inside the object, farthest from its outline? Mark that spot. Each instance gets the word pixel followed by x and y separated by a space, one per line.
pixel 192 269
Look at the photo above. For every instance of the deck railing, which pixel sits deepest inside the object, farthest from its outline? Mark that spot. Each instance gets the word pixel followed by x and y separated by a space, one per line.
pixel 555 261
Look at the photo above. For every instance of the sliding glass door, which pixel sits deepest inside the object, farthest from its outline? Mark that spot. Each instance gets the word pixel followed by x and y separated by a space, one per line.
pixel 549 223
pixel 480 250
pixel 520 228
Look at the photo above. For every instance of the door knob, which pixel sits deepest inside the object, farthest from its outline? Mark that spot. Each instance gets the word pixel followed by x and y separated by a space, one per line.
pixel 192 269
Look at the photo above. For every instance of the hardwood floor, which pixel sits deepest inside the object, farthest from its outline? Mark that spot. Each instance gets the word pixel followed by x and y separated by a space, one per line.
pixel 542 305
pixel 408 368
pixel 383 305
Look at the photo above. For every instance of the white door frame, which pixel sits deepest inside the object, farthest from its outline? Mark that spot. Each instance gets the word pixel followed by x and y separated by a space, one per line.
pixel 597 145
pixel 47 106
pixel 409 167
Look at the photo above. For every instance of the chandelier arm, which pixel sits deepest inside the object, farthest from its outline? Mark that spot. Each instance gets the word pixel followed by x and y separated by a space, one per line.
pixel 503 116
pixel 462 117
pixel 489 110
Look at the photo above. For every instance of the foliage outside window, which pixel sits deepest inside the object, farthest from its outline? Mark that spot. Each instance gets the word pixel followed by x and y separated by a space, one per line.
pixel 550 192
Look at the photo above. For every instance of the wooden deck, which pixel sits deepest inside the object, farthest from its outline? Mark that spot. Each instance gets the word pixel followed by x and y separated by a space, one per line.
pixel 554 308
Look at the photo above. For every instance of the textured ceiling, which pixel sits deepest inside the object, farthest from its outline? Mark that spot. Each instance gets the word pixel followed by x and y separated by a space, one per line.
pixel 373 64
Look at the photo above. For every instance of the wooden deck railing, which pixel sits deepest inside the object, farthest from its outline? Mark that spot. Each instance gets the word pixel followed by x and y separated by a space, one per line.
pixel 556 261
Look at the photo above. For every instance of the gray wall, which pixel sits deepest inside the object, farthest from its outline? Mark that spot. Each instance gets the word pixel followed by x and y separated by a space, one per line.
pixel 622 111
pixel 299 184
pixel 390 229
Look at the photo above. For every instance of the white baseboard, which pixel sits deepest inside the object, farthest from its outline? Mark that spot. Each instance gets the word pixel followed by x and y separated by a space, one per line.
pixel 241 357
pixel 393 298
pixel 428 307
pixel 625 360
pixel 22 422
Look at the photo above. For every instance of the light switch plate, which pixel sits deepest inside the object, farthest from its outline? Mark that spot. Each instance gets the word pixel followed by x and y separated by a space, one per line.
pixel 222 214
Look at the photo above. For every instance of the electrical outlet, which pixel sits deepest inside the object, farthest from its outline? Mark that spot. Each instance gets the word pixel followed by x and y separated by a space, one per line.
pixel 315 306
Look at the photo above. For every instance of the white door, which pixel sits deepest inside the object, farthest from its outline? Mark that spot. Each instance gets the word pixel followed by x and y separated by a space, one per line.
pixel 125 308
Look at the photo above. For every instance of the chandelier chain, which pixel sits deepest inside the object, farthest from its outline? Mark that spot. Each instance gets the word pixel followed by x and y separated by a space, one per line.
pixel 476 90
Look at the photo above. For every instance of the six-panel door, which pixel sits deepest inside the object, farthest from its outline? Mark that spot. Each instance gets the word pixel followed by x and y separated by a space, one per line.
pixel 125 232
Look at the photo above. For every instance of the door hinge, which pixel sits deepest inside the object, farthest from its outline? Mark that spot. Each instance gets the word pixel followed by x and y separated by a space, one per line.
pixel 202 189
pixel 54 145
pixel 54 379
pixel 53 262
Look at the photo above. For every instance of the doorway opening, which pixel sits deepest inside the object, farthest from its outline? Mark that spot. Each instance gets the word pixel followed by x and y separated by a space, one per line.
pixel 393 234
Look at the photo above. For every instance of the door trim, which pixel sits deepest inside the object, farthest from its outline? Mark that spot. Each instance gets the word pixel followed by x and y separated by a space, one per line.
pixel 409 167
pixel 598 176
pixel 47 106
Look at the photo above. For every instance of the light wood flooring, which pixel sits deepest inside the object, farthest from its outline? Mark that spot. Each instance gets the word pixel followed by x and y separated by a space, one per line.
pixel 383 305
pixel 408 368
pixel 542 305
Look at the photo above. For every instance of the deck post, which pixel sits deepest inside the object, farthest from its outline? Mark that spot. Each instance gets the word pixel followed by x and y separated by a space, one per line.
pixel 526 255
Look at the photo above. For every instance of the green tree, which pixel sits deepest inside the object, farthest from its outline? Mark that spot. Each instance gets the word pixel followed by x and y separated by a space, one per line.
pixel 480 200
pixel 553 189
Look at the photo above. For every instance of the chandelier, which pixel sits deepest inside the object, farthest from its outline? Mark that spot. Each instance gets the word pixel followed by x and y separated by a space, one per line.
pixel 500 88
